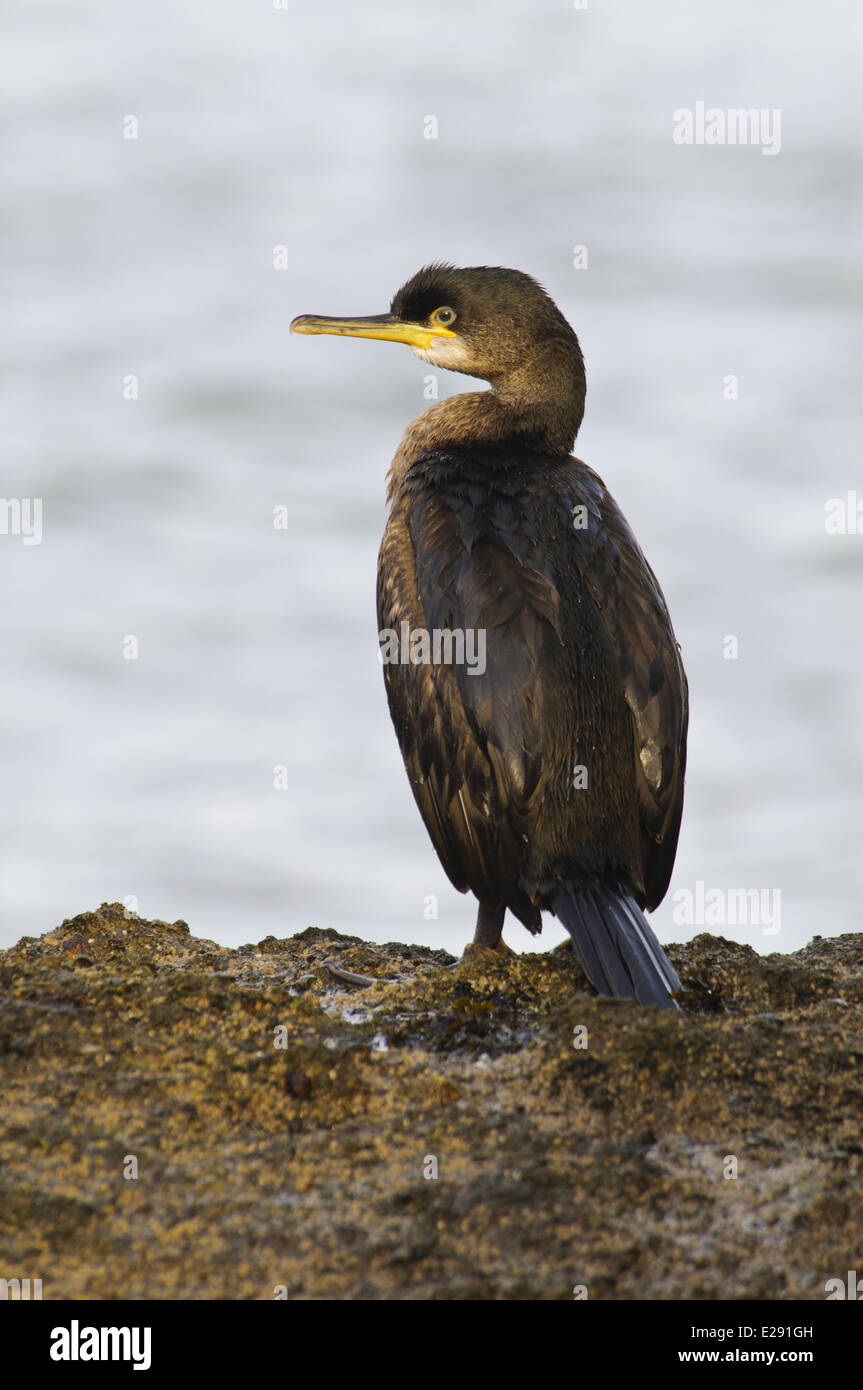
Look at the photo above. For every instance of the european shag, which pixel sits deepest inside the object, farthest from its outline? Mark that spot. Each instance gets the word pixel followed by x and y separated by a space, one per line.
pixel 549 773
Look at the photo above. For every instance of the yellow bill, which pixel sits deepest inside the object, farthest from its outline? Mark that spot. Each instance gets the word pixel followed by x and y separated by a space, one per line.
pixel 416 335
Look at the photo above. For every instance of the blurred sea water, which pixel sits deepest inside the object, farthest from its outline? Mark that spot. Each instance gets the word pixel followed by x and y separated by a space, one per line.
pixel 258 127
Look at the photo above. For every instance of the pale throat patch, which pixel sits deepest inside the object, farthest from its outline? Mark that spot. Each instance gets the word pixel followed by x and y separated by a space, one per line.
pixel 445 352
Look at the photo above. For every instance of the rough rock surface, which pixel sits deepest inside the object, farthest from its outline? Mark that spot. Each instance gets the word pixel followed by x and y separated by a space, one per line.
pixel 307 1166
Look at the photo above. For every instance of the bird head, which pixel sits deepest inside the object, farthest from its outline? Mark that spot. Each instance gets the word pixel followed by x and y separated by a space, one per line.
pixel 485 321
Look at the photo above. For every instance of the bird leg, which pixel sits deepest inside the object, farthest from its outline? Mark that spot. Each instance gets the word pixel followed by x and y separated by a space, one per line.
pixel 489 925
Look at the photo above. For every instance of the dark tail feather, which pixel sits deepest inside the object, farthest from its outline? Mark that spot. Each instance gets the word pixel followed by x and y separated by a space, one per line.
pixel 615 945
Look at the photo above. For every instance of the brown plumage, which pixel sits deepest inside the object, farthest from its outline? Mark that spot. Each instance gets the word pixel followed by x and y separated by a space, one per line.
pixel 553 778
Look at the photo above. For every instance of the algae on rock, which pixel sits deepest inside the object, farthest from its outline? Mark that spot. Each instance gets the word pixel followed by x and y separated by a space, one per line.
pixel 480 1129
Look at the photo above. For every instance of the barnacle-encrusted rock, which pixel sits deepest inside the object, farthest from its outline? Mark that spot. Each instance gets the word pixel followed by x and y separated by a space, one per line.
pixel 181 1120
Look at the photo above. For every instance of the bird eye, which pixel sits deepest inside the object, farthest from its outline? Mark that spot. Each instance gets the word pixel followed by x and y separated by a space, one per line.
pixel 445 315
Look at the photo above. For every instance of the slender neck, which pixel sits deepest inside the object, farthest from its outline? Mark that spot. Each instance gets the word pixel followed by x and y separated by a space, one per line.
pixel 543 410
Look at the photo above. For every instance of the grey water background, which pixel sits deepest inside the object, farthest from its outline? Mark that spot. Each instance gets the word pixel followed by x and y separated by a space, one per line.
pixel 152 779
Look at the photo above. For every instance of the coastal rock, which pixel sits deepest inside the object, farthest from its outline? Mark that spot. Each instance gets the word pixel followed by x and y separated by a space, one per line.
pixel 181 1120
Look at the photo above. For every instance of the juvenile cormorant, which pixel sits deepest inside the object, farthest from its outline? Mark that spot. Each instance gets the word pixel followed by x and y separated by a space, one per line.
pixel 549 774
